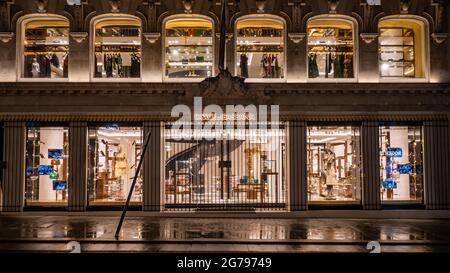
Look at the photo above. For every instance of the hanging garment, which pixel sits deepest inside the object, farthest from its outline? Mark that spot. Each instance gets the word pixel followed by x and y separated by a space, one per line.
pixel 337 66
pixel 244 65
pixel 66 66
pixel 313 68
pixel 54 60
pixel 35 69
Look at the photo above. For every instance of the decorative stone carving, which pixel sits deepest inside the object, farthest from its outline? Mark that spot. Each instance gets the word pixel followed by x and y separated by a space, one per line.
pixel 261 6
pixel 152 37
pixel 332 4
pixel 368 37
pixel 188 6
pixel 439 38
pixel 41 6
pixel 404 6
pixel 79 37
pixel 6 36
pixel 296 37
pixel 115 6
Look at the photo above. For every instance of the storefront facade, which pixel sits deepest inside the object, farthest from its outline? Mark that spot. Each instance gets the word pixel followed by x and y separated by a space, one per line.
pixel 363 92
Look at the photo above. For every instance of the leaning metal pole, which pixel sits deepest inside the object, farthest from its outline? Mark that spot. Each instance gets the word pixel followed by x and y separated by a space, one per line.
pixel 122 217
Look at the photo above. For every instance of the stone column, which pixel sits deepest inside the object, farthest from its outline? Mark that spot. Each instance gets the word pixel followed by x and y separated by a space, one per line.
pixel 152 167
pixel 437 161
pixel 77 166
pixel 14 173
pixel 371 199
pixel 297 177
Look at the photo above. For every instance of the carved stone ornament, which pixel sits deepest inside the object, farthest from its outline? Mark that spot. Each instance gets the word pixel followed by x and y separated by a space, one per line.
pixel 368 37
pixel 6 36
pixel 115 6
pixel 332 4
pixel 296 37
pixel 152 37
pixel 404 6
pixel 41 6
pixel 439 38
pixel 79 37
pixel 261 6
pixel 188 6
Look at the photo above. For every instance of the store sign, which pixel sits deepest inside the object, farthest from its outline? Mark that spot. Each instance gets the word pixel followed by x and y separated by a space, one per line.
pixel 394 152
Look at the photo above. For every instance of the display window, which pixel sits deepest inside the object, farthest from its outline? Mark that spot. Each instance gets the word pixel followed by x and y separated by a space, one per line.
pixel 45 48
pixel 117 48
pixel 331 49
pixel 114 154
pixel 189 51
pixel 334 164
pixel 47 160
pixel 240 170
pixel 401 48
pixel 401 163
pixel 260 48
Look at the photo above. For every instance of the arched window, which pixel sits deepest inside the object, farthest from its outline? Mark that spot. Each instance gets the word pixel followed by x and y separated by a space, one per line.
pixel 331 48
pixel 189 50
pixel 45 46
pixel 260 47
pixel 402 48
pixel 117 47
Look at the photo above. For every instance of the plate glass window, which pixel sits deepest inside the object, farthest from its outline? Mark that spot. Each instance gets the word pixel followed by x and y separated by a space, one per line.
pixel 117 49
pixel 260 48
pixel 114 153
pixel 46 49
pixel 401 163
pixel 47 161
pixel 331 49
pixel 189 51
pixel 334 164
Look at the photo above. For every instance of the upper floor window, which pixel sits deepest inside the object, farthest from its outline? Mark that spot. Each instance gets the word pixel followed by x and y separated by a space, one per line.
pixel 260 48
pixel 402 48
pixel 189 51
pixel 45 48
pixel 331 48
pixel 117 48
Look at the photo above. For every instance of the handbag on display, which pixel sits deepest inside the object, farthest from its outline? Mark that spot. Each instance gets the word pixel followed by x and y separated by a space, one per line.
pixel 54 175
pixel 55 162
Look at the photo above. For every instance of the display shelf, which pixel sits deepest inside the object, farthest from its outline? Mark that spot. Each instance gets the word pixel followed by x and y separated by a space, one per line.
pixel 190 64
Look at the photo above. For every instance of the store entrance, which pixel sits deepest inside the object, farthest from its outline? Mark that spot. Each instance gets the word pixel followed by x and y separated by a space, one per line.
pixel 240 173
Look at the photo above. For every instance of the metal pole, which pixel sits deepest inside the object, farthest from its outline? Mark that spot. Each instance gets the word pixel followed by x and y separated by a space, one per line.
pixel 122 217
pixel 223 35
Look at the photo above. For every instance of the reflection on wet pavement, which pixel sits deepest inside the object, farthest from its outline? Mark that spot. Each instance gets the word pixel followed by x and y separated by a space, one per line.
pixel 226 229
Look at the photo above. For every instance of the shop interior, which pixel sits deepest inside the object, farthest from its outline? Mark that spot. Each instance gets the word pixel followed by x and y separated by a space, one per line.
pixel 401 163
pixel 117 49
pixel 330 49
pixel 334 164
pixel 46 49
pixel 114 153
pixel 260 48
pixel 241 170
pixel 47 158
pixel 189 48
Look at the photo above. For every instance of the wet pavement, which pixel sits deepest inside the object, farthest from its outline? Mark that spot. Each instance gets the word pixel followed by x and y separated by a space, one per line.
pixel 152 234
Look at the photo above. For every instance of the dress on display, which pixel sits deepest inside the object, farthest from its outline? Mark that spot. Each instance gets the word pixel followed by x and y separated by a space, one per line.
pixel 244 66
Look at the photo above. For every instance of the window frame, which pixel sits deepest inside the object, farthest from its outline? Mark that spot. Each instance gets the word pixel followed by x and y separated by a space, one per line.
pixel 355 32
pixel 425 43
pixel 110 17
pixel 163 46
pixel 261 17
pixel 21 23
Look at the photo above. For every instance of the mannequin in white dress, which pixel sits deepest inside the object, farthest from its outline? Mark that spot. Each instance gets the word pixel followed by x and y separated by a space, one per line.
pixel 35 68
pixel 329 168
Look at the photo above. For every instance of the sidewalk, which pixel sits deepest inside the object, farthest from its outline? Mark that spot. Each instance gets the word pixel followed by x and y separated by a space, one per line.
pixel 96 233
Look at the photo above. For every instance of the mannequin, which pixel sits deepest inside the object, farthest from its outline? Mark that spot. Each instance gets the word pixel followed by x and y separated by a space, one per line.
pixel 35 68
pixel 329 169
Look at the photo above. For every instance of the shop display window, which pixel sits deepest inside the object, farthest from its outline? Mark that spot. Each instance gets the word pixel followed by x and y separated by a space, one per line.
pixel 45 49
pixel 334 164
pixel 260 48
pixel 117 48
pixel 189 51
pixel 47 160
pixel 240 170
pixel 401 48
pixel 331 49
pixel 401 163
pixel 114 154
